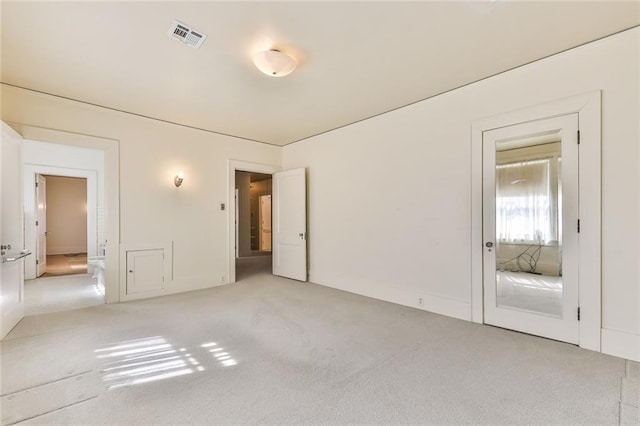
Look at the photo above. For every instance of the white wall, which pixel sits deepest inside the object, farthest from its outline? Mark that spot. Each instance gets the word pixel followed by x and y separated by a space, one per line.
pixel 152 210
pixel 66 215
pixel 389 197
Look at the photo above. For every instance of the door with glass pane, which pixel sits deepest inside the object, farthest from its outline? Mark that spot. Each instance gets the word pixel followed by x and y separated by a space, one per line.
pixel 530 229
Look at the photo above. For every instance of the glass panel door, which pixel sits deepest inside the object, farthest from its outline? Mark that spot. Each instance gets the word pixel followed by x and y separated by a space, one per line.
pixel 530 198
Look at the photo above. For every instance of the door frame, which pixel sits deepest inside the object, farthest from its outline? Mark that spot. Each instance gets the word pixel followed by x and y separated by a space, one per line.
pixel 40 252
pixel 236 219
pixel 31 238
pixel 588 108
pixel 565 327
pixel 111 148
pixel 232 167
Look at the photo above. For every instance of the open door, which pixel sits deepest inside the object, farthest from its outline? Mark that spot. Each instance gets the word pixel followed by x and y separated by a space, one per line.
pixel 265 222
pixel 289 227
pixel 11 231
pixel 41 225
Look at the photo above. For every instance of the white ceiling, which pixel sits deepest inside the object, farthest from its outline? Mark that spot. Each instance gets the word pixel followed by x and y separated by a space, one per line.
pixel 356 59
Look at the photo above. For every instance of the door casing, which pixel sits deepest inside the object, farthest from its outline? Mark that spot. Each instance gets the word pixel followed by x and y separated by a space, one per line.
pixel 112 192
pixel 565 328
pixel 588 108
pixel 31 172
pixel 232 167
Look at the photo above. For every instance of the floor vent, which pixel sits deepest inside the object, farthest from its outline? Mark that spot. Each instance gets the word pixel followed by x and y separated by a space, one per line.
pixel 188 36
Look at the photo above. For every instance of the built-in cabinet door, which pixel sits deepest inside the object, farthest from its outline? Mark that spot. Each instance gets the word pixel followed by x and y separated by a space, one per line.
pixel 145 271
pixel 530 213
pixel 289 225
pixel 11 230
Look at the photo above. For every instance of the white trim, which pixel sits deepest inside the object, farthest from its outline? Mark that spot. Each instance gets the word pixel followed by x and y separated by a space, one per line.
pixel 60 250
pixel 433 303
pixel 30 237
pixel 111 148
pixel 445 306
pixel 621 344
pixel 245 166
pixel 566 327
pixel 588 107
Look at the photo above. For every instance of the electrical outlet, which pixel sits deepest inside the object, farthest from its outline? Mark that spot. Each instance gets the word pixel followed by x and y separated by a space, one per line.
pixel 221 278
pixel 420 301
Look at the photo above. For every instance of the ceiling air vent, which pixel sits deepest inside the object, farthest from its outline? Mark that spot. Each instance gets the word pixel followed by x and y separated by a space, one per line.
pixel 188 36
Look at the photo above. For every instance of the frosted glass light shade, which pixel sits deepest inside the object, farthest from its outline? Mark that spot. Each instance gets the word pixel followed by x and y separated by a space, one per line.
pixel 274 63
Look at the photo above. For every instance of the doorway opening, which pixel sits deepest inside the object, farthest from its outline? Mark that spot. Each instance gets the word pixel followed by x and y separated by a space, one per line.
pixel 253 250
pixel 62 225
pixel 65 227
pixel 289 221
pixel 66 277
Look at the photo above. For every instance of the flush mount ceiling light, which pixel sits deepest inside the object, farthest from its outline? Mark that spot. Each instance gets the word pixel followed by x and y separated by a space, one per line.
pixel 274 63
pixel 178 179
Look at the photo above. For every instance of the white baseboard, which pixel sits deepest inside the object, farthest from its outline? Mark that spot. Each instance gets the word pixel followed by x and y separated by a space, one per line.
pixel 621 344
pixel 66 250
pixel 432 303
pixel 448 307
pixel 175 287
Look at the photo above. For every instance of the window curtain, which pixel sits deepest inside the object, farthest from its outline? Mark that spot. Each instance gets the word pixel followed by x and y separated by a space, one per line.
pixel 523 202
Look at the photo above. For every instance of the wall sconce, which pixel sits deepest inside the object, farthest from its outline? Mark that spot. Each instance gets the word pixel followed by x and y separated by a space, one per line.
pixel 177 181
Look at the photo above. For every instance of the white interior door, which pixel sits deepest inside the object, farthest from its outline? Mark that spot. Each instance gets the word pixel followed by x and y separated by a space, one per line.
pixel 237 223
pixel 530 214
pixel 265 222
pixel 11 230
pixel 289 227
pixel 41 225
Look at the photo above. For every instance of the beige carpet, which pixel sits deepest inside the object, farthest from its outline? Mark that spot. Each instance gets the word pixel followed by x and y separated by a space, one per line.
pixel 273 351
pixel 61 293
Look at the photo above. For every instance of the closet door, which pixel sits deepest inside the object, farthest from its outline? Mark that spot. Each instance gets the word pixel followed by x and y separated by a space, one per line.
pixel 530 229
